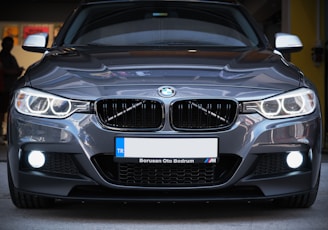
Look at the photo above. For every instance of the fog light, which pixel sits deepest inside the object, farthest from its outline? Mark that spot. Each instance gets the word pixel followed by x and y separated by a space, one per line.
pixel 36 159
pixel 294 159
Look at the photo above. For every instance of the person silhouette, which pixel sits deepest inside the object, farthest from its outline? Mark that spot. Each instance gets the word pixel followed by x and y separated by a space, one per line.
pixel 9 71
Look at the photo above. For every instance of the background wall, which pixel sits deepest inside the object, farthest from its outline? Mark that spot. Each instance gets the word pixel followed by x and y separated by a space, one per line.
pixel 20 14
pixel 308 22
pixel 19 30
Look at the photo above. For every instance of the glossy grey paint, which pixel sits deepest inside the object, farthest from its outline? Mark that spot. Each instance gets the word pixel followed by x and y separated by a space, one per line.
pixel 242 75
pixel 251 135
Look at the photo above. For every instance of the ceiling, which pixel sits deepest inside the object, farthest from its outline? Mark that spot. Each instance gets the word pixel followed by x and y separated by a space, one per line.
pixel 263 10
pixel 57 10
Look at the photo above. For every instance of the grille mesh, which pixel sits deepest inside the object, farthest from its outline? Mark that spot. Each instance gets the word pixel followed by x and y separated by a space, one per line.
pixel 275 163
pixel 158 174
pixel 271 164
pixel 56 163
pixel 167 174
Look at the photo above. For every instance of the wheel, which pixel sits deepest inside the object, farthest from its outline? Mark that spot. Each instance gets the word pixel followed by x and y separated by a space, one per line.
pixel 24 200
pixel 305 200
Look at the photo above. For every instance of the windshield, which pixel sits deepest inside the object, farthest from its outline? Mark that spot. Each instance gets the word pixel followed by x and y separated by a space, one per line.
pixel 165 24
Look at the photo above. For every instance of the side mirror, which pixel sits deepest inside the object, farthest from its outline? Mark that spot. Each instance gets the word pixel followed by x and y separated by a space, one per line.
pixel 36 43
pixel 287 43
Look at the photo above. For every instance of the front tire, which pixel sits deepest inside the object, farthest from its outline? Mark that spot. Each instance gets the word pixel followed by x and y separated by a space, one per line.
pixel 305 200
pixel 24 200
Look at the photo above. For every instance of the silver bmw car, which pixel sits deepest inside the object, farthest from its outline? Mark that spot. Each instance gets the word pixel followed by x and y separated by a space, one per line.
pixel 163 101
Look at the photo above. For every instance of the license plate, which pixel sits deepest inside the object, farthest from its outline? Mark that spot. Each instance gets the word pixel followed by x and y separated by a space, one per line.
pixel 166 150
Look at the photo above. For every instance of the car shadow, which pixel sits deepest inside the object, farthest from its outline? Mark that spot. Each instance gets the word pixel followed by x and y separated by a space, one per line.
pixel 170 212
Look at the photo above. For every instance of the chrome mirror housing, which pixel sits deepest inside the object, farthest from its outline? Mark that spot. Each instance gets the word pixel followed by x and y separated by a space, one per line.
pixel 287 43
pixel 36 42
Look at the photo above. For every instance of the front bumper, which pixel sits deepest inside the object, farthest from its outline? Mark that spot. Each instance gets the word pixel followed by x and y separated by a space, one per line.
pixel 79 161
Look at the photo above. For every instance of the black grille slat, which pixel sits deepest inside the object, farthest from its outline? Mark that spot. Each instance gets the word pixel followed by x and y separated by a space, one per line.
pixel 130 113
pixel 203 114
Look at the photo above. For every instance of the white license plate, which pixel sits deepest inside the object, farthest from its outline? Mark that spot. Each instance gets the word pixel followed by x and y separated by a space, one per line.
pixel 166 148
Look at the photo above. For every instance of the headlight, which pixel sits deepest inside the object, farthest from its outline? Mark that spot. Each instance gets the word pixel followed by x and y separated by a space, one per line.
pixel 36 103
pixel 295 103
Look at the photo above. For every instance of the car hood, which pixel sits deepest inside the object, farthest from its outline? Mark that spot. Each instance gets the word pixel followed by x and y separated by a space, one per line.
pixel 85 73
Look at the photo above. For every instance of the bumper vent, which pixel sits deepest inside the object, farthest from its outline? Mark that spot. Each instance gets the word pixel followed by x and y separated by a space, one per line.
pixel 165 175
pixel 56 164
pixel 275 164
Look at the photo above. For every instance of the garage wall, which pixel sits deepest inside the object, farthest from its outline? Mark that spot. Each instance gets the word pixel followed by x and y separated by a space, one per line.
pixel 19 14
pixel 308 23
pixel 19 30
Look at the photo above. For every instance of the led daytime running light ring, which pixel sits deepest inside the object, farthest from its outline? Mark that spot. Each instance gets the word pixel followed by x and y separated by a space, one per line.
pixel 37 111
pixel 293 112
pixel 60 113
pixel 271 114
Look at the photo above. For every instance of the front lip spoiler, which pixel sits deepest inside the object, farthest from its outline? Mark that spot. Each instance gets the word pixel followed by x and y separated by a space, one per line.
pixel 172 198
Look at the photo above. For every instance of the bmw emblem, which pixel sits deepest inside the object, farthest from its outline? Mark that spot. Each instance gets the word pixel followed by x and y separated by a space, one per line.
pixel 166 91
